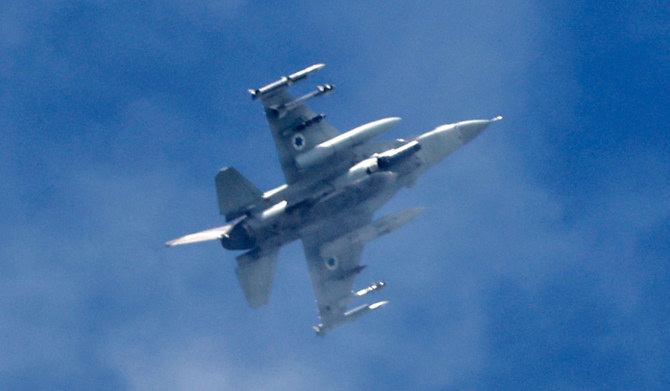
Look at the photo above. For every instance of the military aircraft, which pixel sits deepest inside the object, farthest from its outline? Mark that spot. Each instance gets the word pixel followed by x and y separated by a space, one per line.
pixel 334 184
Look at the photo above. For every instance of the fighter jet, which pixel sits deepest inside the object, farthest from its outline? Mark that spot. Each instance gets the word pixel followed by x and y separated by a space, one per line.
pixel 334 184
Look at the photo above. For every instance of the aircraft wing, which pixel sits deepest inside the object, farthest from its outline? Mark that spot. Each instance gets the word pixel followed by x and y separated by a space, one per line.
pixel 333 269
pixel 299 129
pixel 295 128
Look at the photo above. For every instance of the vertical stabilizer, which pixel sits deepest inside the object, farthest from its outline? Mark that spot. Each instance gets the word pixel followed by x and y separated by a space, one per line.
pixel 235 193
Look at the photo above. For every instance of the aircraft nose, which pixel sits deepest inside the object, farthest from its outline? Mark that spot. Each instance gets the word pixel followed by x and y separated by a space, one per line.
pixel 471 129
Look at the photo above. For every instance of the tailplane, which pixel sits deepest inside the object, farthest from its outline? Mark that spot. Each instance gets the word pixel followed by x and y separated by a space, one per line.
pixel 255 272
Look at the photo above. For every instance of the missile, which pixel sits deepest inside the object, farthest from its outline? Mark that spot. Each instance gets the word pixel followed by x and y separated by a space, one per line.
pixel 359 311
pixel 284 82
pixel 349 316
pixel 278 111
pixel 372 288
pixel 377 286
pixel 345 141
pixel 370 232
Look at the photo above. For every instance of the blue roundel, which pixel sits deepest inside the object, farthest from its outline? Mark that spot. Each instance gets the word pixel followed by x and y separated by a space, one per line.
pixel 331 263
pixel 299 141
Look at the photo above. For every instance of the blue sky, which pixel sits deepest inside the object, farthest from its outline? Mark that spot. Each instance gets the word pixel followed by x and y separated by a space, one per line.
pixel 541 261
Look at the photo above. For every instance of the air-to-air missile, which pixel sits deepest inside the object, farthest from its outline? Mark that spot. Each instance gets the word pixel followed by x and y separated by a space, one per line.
pixel 285 81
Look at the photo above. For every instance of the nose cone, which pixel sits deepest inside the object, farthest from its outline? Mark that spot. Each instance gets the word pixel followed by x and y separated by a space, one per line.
pixel 471 129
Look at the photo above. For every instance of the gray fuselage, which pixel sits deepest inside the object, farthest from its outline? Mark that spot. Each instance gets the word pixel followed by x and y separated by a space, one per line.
pixel 365 186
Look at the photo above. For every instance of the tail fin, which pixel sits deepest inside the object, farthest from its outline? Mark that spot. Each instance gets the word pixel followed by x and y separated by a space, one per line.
pixel 235 193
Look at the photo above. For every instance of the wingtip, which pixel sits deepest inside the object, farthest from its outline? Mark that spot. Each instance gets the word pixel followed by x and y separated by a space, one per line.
pixel 498 118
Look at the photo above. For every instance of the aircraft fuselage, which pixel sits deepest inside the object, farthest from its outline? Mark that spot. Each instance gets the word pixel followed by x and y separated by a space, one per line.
pixel 368 184
pixel 335 182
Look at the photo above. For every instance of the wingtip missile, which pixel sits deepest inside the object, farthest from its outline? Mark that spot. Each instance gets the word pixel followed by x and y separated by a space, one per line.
pixel 284 82
pixel 305 72
pixel 357 312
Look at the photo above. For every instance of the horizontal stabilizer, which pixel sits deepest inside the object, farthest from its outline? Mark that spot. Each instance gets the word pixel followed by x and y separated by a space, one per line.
pixel 256 272
pixel 235 193
pixel 203 236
